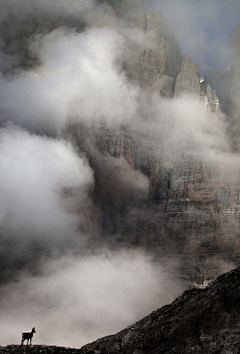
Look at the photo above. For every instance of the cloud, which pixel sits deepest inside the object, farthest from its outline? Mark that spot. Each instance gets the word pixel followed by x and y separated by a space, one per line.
pixel 20 20
pixel 44 195
pixel 78 77
pixel 77 300
pixel 182 127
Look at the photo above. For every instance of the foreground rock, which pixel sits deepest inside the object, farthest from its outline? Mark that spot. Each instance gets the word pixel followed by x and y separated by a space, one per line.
pixel 36 349
pixel 200 321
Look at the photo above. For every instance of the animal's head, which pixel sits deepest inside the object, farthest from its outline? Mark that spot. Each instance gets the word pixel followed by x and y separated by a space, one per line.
pixel 33 330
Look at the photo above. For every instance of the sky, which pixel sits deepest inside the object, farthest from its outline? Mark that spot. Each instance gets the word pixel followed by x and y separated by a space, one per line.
pixel 204 28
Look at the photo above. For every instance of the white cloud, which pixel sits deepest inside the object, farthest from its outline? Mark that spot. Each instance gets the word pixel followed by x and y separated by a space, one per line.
pixel 75 301
pixel 35 172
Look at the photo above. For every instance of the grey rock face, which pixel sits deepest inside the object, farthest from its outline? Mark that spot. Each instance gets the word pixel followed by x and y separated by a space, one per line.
pixel 188 82
pixel 161 55
pixel 188 211
pixel 209 97
pixel 188 79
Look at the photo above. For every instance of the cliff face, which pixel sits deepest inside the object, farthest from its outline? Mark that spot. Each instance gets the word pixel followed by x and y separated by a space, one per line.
pixel 161 55
pixel 189 211
pixel 200 321
pixel 188 79
pixel 188 82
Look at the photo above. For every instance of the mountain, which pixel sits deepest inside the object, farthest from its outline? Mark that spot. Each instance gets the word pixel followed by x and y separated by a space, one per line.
pixel 191 211
pixel 200 321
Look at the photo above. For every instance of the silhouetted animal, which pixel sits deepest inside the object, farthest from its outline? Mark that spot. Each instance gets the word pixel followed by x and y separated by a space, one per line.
pixel 28 336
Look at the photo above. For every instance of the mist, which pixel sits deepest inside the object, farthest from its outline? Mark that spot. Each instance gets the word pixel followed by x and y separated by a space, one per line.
pixel 75 301
pixel 68 70
pixel 77 76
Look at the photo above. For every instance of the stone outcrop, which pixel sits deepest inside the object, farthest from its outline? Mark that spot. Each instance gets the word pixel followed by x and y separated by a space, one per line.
pixel 208 97
pixel 187 81
pixel 200 321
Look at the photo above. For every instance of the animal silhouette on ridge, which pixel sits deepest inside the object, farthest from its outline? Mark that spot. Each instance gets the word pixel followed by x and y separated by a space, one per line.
pixel 28 336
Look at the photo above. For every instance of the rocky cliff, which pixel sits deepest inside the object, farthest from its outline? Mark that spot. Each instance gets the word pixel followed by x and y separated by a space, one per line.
pixel 159 61
pixel 189 213
pixel 188 79
pixel 187 82
pixel 200 321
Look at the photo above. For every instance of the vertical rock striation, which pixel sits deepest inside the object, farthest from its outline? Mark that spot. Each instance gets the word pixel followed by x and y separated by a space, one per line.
pixel 161 55
pixel 187 81
pixel 189 211
pixel 209 97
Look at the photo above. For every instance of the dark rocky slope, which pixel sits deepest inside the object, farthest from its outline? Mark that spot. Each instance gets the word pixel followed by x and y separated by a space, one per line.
pixel 37 349
pixel 200 321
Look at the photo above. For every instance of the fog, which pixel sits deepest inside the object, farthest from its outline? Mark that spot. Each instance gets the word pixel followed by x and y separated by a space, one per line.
pixel 75 301
pixel 40 199
pixel 62 63
pixel 77 76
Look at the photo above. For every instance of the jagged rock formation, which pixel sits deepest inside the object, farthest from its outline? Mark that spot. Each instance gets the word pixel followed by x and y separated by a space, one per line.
pixel 188 79
pixel 200 321
pixel 221 81
pixel 161 56
pixel 227 84
pixel 189 211
pixel 188 82
pixel 209 97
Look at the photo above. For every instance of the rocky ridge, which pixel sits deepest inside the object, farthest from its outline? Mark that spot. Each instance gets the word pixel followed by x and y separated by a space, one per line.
pixel 37 349
pixel 205 321
pixel 200 321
